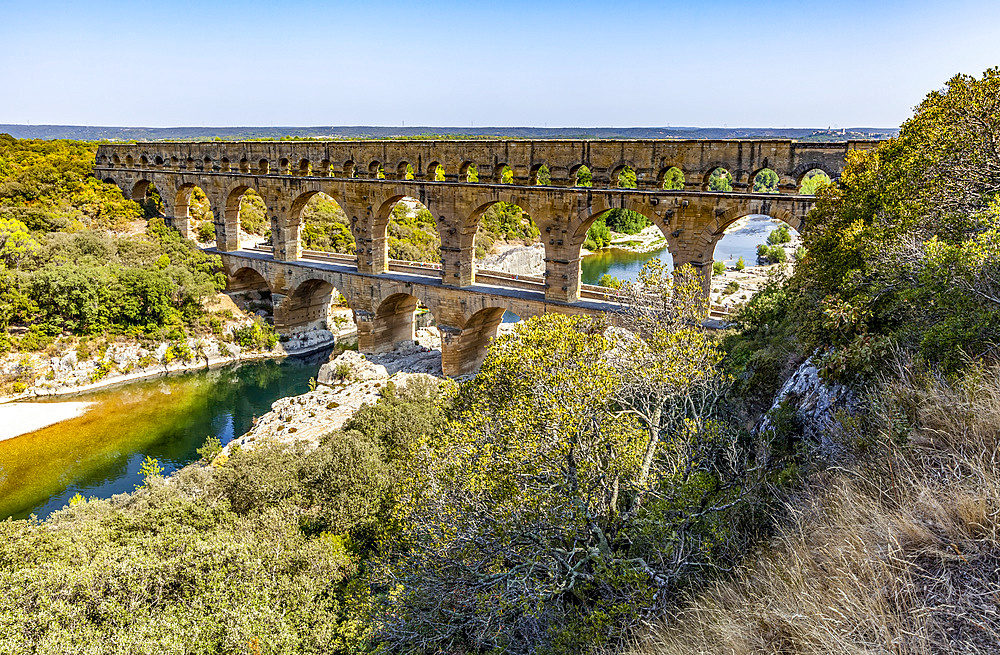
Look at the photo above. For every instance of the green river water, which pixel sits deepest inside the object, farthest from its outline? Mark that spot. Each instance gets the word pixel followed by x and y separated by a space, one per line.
pixel 100 452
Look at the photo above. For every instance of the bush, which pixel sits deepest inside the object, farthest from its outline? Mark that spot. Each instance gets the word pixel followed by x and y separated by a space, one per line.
pixel 257 335
pixel 625 221
pixel 779 235
pixel 206 231
pixel 718 268
pixel 598 236
pixel 740 264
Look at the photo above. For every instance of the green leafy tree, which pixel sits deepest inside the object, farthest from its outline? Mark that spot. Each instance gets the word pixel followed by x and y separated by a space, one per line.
pixel 673 179
pixel 720 180
pixel 766 181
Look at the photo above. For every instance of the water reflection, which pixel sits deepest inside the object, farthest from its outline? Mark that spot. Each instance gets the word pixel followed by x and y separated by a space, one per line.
pixel 100 453
pixel 741 240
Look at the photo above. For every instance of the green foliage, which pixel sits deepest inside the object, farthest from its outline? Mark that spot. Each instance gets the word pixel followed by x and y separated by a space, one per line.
pixel 413 235
pixel 766 181
pixel 773 254
pixel 718 268
pixel 253 213
pixel 583 177
pixel 740 264
pixel 625 221
pixel 814 181
pixel 507 222
pixel 626 178
pixel 210 449
pixel 779 235
pixel 256 335
pixel 673 180
pixel 544 176
pixel 720 180
pixel 325 226
pixel 598 235
pixel 610 281
pixel 150 471
pixel 731 287
pixel 551 499
pixel 47 186
pixel 206 231
pixel 900 250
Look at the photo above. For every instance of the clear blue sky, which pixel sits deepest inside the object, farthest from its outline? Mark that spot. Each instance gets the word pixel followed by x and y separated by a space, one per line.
pixel 548 62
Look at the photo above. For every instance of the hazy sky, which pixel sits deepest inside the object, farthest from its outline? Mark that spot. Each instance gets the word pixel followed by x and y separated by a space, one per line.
pixel 548 62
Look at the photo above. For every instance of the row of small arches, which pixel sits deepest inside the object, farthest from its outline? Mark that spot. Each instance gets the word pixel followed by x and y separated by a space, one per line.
pixel 718 179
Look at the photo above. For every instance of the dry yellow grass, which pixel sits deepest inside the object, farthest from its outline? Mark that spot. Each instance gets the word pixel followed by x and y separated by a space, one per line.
pixel 897 553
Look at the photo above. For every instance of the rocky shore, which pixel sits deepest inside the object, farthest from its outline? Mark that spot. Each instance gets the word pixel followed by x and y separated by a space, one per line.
pixel 345 383
pixel 73 366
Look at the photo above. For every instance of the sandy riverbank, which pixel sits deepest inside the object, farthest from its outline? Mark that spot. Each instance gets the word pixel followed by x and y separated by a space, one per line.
pixel 21 418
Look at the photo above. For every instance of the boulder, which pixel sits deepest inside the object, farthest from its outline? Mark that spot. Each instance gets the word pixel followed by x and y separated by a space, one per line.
pixel 815 402
pixel 350 366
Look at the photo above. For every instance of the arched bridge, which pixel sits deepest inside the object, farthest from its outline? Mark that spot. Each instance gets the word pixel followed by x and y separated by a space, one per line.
pixel 367 178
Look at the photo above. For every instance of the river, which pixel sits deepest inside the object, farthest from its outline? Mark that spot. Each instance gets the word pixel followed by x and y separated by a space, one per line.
pixel 741 240
pixel 100 452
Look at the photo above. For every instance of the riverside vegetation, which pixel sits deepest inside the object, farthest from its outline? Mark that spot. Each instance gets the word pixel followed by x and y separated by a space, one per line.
pixel 599 489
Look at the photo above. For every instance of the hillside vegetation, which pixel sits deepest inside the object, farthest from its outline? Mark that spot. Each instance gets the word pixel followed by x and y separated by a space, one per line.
pixel 600 489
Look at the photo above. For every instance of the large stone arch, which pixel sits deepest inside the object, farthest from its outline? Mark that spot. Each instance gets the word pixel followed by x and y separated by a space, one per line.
pixel 458 248
pixel 463 349
pixel 306 306
pixel 140 188
pixel 286 230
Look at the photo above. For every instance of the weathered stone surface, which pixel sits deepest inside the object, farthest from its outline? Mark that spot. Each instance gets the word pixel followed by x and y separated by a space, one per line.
pixel 520 260
pixel 288 174
pixel 816 403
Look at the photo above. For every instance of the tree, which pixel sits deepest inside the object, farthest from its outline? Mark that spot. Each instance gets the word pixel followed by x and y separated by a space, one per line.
pixel 578 484
pixel 720 180
pixel 766 181
pixel 674 179
pixel 583 177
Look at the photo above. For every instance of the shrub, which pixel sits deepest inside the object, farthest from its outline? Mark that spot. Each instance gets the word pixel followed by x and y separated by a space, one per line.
pixel 740 264
pixel 210 449
pixel 206 232
pixel 718 268
pixel 257 335
pixel 779 235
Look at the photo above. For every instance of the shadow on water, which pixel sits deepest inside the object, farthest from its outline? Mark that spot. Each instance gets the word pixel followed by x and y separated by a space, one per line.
pixel 100 452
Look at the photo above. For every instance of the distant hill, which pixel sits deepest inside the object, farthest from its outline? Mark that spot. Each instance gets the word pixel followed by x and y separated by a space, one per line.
pixel 92 133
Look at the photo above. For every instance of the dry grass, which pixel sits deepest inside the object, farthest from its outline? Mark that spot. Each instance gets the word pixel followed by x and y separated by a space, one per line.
pixel 897 553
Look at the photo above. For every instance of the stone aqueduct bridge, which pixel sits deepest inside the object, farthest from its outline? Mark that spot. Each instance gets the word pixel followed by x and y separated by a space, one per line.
pixel 467 307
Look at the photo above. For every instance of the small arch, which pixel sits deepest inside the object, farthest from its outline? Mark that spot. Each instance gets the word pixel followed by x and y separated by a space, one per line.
pixel 376 171
pixel 144 160
pixel 435 172
pixel 224 165
pixel 764 180
pixel 719 179
pixel 283 167
pixel 812 181
pixel 350 170
pixel 581 175
pixel 540 175
pixel 404 171
pixel 110 180
pixel 116 160
pixel 671 179
pixel 158 161
pixel 129 162
pixel 503 174
pixel 174 162
pixel 208 163
pixel 263 167
pixel 468 172
pixel 323 170
pixel 244 165
pixel 624 177
pixel 305 168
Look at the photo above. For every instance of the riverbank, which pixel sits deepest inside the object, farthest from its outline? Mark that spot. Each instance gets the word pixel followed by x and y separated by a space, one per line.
pixel 72 365
pixel 24 418
pixel 344 384
pixel 733 287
